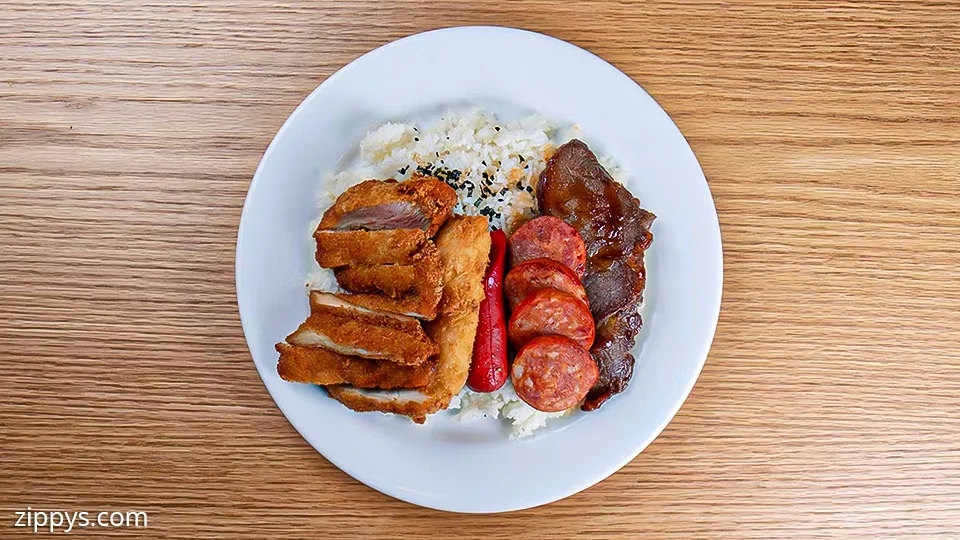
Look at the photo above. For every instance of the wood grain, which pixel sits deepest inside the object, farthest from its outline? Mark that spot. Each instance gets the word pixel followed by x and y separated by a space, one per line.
pixel 830 135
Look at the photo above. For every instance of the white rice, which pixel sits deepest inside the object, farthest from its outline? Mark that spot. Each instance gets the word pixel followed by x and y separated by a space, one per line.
pixel 493 166
pixel 524 420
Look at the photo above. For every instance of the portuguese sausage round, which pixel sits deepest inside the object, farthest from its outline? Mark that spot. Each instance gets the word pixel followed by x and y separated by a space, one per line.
pixel 539 274
pixel 547 237
pixel 553 373
pixel 551 312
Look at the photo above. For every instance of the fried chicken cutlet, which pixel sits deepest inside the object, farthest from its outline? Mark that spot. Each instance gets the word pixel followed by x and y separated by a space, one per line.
pixel 422 202
pixel 464 252
pixel 393 280
pixel 413 290
pixel 321 366
pixel 337 325
pixel 464 246
pixel 377 238
pixel 344 248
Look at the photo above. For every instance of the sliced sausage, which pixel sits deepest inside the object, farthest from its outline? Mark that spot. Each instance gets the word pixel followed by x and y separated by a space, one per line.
pixel 553 373
pixel 551 312
pixel 547 237
pixel 541 274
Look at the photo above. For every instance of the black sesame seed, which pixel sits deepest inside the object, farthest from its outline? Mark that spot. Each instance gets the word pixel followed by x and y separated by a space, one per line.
pixel 484 163
pixel 416 139
pixel 521 158
pixel 478 203
pixel 403 170
pixel 426 170
pixel 496 128
pixel 519 185
pixel 529 189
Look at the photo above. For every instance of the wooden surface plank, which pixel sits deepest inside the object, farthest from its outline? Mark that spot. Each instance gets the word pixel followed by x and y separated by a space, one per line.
pixel 829 132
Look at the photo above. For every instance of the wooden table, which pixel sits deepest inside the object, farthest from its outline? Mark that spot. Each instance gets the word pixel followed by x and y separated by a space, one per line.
pixel 830 135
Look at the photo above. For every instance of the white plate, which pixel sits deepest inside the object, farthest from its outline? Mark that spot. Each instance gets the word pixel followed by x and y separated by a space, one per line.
pixel 474 467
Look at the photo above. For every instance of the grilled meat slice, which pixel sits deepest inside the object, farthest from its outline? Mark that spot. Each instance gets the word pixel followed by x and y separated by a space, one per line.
pixel 611 350
pixel 464 246
pixel 422 202
pixel 616 231
pixel 339 326
pixel 616 286
pixel 321 366
pixel 343 248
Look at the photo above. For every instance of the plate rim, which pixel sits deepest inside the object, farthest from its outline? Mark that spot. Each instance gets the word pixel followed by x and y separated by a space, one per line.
pixel 715 303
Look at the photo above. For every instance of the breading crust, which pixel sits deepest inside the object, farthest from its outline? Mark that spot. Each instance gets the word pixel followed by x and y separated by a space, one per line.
pixel 464 246
pixel 429 195
pixel 421 302
pixel 369 335
pixel 424 277
pixel 344 248
pixel 320 366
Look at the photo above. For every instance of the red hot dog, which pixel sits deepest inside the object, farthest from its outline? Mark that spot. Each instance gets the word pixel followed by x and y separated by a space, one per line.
pixel 488 370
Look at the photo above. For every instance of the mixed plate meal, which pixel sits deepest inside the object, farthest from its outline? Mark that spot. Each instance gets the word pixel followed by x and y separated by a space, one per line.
pixel 477 260
pixel 473 265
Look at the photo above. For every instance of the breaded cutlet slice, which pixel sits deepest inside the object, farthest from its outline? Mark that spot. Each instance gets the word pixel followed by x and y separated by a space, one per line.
pixel 422 202
pixel 343 248
pixel 393 280
pixel 464 246
pixel 424 277
pixel 455 334
pixel 339 326
pixel 421 302
pixel 418 306
pixel 320 366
